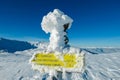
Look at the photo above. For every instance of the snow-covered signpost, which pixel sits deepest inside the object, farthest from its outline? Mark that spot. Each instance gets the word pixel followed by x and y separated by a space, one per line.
pixel 59 58
pixel 56 23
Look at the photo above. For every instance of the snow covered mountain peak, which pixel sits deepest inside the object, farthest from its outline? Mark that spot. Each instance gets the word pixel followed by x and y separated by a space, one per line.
pixel 14 45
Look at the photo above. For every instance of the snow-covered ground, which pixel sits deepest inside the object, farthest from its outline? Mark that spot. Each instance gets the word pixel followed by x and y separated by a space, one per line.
pixel 105 66
pixel 15 66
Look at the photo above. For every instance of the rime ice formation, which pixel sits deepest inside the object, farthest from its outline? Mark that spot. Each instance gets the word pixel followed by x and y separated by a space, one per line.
pixel 56 23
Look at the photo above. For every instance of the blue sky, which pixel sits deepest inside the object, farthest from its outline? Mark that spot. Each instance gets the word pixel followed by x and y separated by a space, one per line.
pixel 96 22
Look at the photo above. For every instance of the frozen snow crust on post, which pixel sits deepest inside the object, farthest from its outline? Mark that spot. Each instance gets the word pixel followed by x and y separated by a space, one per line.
pixel 53 23
pixel 57 56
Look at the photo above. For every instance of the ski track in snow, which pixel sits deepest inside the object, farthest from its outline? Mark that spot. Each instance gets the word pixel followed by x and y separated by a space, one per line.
pixel 97 67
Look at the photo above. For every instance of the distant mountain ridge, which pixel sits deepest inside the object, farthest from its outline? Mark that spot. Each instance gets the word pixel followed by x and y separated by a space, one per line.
pixel 101 50
pixel 11 46
pixel 14 45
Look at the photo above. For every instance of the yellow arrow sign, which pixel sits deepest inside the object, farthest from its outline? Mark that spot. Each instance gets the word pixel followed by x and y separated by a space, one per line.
pixel 51 59
pixel 61 60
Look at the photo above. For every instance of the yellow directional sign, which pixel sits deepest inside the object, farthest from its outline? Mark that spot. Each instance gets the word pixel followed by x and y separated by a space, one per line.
pixel 47 60
pixel 51 59
pixel 58 60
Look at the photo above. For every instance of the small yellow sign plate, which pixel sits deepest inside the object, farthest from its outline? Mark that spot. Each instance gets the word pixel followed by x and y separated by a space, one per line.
pixel 54 60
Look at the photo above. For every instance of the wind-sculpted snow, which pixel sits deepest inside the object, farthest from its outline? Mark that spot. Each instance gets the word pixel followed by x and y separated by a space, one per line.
pixel 14 45
pixel 97 66
pixel 102 66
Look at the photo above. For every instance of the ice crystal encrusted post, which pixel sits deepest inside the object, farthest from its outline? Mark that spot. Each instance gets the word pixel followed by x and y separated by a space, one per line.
pixel 56 23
